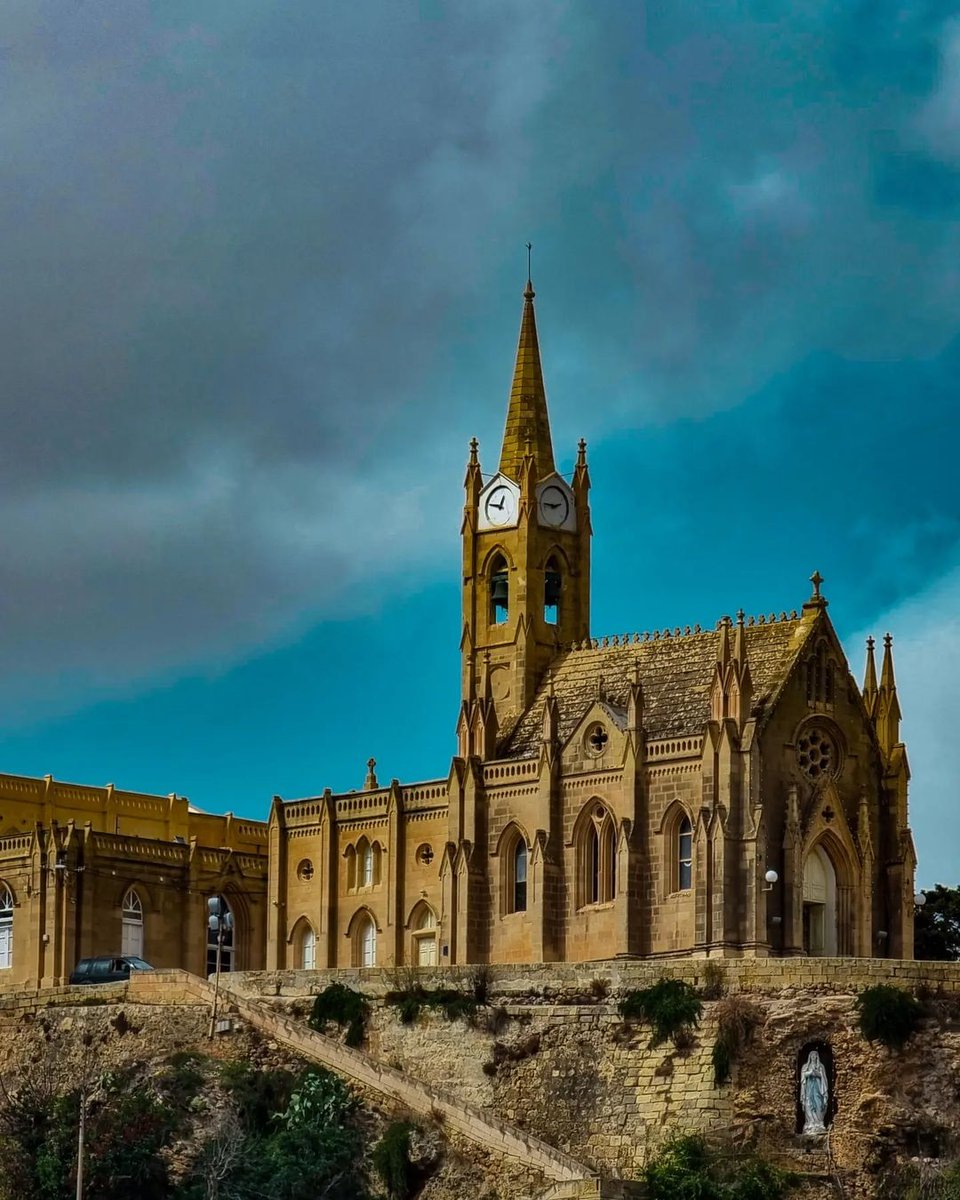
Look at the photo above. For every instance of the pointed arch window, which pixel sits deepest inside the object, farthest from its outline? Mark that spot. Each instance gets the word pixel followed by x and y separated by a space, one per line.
pixel 552 587
pixel 821 676
pixel 6 927
pixel 597 850
pixel 225 931
pixel 366 865
pixel 520 876
pixel 684 854
pixel 499 591
pixel 515 858
pixel 131 924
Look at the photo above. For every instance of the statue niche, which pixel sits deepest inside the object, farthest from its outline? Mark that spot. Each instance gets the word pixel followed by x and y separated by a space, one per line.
pixel 815 1092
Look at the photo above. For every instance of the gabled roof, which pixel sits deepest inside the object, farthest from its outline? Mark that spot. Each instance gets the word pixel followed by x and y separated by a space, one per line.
pixel 676 673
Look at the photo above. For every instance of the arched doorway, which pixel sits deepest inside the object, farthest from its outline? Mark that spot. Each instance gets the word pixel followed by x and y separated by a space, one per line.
pixel 819 904
pixel 425 938
pixel 131 925
pixel 6 927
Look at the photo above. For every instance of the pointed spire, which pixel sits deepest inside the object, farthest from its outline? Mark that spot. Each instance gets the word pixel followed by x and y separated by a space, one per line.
pixel 870 678
pixel 887 682
pixel 527 418
pixel 888 706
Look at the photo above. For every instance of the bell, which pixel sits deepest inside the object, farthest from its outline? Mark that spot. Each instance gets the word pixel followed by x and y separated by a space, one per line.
pixel 551 589
pixel 499 593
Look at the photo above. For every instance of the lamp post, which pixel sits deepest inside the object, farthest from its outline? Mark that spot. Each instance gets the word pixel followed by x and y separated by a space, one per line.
pixel 220 923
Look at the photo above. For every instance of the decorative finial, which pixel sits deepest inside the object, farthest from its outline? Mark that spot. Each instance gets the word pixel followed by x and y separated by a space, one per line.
pixel 887 640
pixel 582 453
pixel 816 579
pixel 529 293
pixel 370 783
pixel 474 447
pixel 870 643
pixel 740 616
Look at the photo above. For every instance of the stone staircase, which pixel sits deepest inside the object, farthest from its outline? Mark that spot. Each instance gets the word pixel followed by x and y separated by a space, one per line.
pixel 569 1179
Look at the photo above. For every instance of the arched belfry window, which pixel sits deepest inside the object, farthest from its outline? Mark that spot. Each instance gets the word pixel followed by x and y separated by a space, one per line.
pixel 499 591
pixel 552 585
pixel 131 924
pixel 6 927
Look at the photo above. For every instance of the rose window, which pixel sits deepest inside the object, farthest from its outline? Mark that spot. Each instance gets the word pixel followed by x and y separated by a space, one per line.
pixel 817 752
pixel 597 738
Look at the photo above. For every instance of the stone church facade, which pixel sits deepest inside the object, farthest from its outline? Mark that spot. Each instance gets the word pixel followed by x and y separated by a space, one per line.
pixel 728 792
pixel 634 795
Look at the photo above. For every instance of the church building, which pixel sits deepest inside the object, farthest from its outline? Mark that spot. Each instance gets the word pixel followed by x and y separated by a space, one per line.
pixel 730 791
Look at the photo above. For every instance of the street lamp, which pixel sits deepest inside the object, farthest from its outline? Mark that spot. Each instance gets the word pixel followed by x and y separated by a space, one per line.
pixel 920 899
pixel 219 923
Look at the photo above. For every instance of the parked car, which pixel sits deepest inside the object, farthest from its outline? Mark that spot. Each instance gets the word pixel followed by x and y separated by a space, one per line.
pixel 107 968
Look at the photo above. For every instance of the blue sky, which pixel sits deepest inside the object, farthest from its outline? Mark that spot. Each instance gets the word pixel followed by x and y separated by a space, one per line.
pixel 264 267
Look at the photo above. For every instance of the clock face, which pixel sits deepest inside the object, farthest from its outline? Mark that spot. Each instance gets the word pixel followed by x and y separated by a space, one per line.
pixel 554 505
pixel 500 506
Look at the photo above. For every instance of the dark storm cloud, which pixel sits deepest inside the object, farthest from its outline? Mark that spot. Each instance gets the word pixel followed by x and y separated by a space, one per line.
pixel 261 275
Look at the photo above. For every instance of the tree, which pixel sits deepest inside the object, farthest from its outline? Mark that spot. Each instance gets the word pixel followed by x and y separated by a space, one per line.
pixel 937 924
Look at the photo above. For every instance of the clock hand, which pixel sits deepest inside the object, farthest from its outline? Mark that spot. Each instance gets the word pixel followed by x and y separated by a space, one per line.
pixel 500 505
pixel 547 504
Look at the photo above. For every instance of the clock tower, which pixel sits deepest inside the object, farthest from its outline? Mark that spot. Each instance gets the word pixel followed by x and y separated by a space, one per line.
pixel 526 560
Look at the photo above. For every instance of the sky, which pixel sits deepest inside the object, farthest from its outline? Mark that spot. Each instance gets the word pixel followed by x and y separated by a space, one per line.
pixel 262 271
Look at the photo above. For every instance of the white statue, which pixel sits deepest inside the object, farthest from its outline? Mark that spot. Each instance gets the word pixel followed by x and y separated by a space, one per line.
pixel 814 1094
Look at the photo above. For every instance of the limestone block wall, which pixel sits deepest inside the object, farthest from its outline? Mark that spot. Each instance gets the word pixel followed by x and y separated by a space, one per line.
pixel 559 1062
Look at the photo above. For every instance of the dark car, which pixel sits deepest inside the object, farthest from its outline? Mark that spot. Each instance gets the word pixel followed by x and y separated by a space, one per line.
pixel 107 968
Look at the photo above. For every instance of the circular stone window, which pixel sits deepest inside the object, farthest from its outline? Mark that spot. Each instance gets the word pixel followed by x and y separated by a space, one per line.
pixel 596 740
pixel 817 753
pixel 425 855
pixel 305 870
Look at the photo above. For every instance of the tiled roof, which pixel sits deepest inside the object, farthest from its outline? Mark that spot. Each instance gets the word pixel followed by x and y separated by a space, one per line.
pixel 676 673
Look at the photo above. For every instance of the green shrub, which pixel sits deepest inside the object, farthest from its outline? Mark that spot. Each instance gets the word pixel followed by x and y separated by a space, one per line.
pixel 737 1018
pixel 687 1169
pixel 480 979
pixel 888 1014
pixel 923 1180
pixel 671 1007
pixel 183 1077
pixel 391 1161
pixel 257 1095
pixel 714 981
pixel 451 1003
pixel 343 1006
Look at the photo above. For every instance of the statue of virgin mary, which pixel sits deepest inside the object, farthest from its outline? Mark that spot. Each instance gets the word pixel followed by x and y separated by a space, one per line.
pixel 814 1095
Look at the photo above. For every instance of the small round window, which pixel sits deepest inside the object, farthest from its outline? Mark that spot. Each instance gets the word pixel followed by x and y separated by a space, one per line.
pixel 305 870
pixel 425 855
pixel 596 740
pixel 817 753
